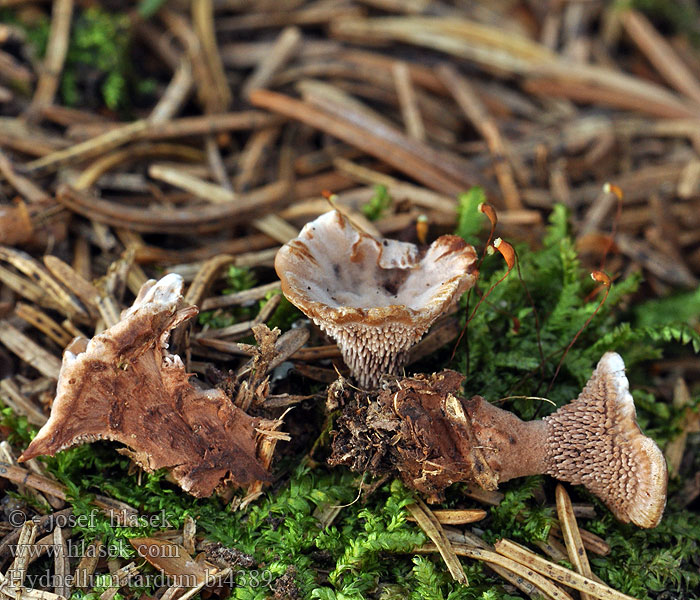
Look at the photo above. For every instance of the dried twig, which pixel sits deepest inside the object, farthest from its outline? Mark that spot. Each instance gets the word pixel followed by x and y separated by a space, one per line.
pixel 23 185
pixel 29 351
pixel 203 20
pixel 468 100
pixel 507 568
pixel 43 323
pixel 175 94
pixel 660 53
pixel 460 516
pixel 56 51
pixel 21 405
pixel 561 574
pixel 55 295
pixel 572 537
pixel 61 564
pixel 432 528
pixel 407 101
pixel 38 482
pixel 88 563
pixel 690 423
pixel 200 219
pixel 392 147
pixel 281 51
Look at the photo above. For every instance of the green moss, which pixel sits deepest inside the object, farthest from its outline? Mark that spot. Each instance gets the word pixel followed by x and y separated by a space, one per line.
pixel 678 15
pixel 378 204
pixel 20 431
pixel 683 307
pixel 285 315
pixel 148 8
pixel 98 61
pixel 521 515
pixel 470 219
pixel 100 42
pixel 521 330
pixel 238 279
pixel 643 562
pixel 367 551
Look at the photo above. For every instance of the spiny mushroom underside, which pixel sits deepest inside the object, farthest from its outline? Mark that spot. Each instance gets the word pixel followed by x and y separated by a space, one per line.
pixel 376 298
pixel 416 428
pixel 595 441
pixel 371 351
pixel 124 386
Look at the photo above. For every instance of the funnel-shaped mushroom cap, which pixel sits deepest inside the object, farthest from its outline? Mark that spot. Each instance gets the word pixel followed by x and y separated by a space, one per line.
pixel 595 441
pixel 375 298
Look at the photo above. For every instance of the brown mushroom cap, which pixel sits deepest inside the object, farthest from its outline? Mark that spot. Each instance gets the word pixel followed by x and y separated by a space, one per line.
pixel 375 298
pixel 595 441
pixel 124 386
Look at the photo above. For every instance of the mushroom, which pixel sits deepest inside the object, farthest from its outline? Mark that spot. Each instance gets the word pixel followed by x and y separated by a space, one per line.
pixel 622 466
pixel 420 428
pixel 124 386
pixel 375 298
pixel 594 441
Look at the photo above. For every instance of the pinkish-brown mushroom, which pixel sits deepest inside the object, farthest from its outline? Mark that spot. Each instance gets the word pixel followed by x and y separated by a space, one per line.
pixel 594 441
pixel 124 386
pixel 418 427
pixel 376 298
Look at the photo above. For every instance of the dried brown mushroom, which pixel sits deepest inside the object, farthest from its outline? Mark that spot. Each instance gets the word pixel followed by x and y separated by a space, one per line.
pixel 375 298
pixel 417 426
pixel 413 425
pixel 124 386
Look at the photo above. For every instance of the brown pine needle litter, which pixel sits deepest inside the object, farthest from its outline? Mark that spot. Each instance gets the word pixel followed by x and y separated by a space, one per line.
pixel 191 141
pixel 429 523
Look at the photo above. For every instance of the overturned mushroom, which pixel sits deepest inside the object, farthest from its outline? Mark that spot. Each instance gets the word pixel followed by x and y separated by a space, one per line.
pixel 419 427
pixel 124 386
pixel 375 298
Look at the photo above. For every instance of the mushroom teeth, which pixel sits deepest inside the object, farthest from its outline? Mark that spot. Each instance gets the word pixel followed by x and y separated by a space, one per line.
pixel 376 298
pixel 595 441
pixel 418 428
pixel 124 386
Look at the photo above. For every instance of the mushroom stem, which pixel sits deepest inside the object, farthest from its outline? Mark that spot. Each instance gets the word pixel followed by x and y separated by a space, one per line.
pixel 419 428
pixel 593 441
pixel 512 447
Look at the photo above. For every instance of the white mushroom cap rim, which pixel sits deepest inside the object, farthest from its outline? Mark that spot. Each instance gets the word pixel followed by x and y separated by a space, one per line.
pixel 338 275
